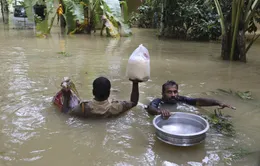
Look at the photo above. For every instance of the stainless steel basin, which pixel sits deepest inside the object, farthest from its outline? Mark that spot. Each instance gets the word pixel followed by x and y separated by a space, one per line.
pixel 181 129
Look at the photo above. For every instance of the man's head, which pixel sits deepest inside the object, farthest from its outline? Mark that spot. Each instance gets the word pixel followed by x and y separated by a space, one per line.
pixel 170 92
pixel 101 88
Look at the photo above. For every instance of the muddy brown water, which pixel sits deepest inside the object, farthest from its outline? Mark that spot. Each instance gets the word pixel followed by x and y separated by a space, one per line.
pixel 33 132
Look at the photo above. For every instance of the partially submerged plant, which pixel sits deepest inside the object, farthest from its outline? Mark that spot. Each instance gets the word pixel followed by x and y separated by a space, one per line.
pixel 221 123
pixel 64 53
pixel 243 95
pixel 237 152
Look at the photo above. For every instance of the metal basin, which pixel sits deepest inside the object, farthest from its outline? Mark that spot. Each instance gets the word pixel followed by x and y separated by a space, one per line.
pixel 181 129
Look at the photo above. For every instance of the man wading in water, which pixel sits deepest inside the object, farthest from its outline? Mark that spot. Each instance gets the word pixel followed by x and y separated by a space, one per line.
pixel 170 95
pixel 100 106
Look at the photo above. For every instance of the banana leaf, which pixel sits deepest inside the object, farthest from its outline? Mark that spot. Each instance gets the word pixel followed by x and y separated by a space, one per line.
pixel 125 9
pixel 115 13
pixel 96 11
pixel 50 5
pixel 112 30
pixel 114 7
pixel 74 11
pixel 42 27
pixel 28 5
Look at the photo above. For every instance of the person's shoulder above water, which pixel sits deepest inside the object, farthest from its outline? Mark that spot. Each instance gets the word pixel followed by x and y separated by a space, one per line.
pixel 170 95
pixel 156 102
pixel 187 100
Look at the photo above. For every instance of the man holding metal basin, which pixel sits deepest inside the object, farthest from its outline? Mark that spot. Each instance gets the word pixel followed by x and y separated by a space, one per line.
pixel 171 96
pixel 181 129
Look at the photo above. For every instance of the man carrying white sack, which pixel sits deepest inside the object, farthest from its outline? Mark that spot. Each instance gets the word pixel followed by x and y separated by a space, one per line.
pixel 68 101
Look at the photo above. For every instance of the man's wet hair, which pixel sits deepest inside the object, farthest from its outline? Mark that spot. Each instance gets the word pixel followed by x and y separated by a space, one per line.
pixel 101 88
pixel 169 83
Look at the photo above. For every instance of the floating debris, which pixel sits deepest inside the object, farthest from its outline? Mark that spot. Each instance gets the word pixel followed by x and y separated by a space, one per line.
pixel 221 123
pixel 64 53
pixel 247 95
pixel 236 153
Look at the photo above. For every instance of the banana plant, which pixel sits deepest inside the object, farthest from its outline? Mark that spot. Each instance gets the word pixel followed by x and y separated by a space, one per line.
pixel 74 11
pixel 244 14
pixel 115 15
pixel 108 13
pixel 42 26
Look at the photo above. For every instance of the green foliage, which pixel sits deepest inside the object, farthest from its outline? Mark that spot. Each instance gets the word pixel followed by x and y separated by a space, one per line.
pixel 73 11
pixel 28 5
pixel 96 12
pixel 221 123
pixel 125 9
pixel 184 19
pixel 64 53
pixel 112 10
pixel 42 26
pixel 145 16
pixel 191 19
pixel 237 17
pixel 133 19
pixel 247 95
pixel 237 153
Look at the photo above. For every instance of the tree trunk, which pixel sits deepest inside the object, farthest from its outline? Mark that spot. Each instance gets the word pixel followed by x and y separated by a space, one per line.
pixel 241 40
pixel 162 18
pixel 5 11
pixel 87 16
pixel 240 46
pixel 2 10
pixel 226 46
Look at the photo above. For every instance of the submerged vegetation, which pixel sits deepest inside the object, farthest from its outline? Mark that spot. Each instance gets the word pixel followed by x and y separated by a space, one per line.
pixel 64 53
pixel 247 95
pixel 221 123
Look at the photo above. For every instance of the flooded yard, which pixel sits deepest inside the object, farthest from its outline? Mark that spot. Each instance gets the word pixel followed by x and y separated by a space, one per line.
pixel 33 132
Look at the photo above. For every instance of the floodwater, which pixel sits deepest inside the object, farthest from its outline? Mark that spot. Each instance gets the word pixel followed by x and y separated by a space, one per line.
pixel 33 132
